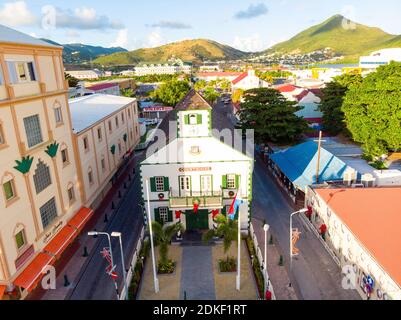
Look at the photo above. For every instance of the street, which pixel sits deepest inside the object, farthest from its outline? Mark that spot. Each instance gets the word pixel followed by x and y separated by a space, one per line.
pixel 315 275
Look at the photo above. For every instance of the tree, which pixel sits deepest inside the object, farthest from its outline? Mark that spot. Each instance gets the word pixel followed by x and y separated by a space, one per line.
pixel 127 93
pixel 171 92
pixel 373 110
pixel 211 95
pixel 237 95
pixel 200 85
pixel 226 229
pixel 272 116
pixel 163 236
pixel 332 100
pixel 72 82
pixel 225 85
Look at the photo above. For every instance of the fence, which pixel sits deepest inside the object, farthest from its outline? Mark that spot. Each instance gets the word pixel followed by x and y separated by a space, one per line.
pixel 134 260
pixel 261 261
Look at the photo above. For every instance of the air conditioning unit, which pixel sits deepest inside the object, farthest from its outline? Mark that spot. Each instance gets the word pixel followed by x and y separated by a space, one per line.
pixel 368 180
pixel 350 176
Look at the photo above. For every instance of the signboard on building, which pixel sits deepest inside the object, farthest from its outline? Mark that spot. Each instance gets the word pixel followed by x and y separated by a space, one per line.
pixel 158 109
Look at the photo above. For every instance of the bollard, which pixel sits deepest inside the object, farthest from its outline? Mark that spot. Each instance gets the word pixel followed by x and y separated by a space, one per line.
pixel 271 240
pixel 119 194
pixel 113 205
pixel 86 254
pixel 281 262
pixel 66 281
pixel 106 218
pixel 125 185
pixel 129 177
pixel 185 295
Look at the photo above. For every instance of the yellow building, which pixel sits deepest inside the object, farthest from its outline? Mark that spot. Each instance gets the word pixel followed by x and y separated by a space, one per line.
pixel 50 174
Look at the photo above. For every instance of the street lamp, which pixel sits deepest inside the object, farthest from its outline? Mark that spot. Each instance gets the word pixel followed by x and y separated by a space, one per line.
pixel 96 233
pixel 118 235
pixel 266 228
pixel 291 245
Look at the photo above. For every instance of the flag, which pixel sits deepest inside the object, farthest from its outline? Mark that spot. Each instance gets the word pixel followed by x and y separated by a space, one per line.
pixel 215 213
pixel 196 206
pixel 237 201
pixel 110 268
pixel 178 214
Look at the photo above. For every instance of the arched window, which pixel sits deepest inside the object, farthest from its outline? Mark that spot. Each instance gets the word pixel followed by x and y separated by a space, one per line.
pixel 20 237
pixel 8 186
pixel 41 177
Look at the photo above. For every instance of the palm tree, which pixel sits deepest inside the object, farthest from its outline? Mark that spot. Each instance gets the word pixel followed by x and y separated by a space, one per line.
pixel 226 229
pixel 163 236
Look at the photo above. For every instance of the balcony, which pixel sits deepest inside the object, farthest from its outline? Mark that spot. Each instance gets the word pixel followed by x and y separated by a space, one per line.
pixel 208 200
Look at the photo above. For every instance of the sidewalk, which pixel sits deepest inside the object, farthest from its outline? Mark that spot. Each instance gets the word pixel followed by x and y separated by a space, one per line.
pixel 278 275
pixel 73 261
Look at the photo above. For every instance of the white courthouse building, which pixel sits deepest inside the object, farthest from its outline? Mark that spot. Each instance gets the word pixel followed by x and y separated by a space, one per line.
pixel 196 168
pixel 380 58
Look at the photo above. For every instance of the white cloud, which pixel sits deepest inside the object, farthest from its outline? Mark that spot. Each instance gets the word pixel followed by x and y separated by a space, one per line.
pixel 249 44
pixel 121 39
pixel 154 39
pixel 84 19
pixel 16 13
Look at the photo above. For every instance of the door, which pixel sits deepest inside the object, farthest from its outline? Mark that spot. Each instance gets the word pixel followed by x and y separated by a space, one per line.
pixel 197 221
pixel 206 185
pixel 185 186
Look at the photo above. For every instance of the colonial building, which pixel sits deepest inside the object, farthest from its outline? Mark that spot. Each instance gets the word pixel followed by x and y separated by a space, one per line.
pixel 106 131
pixel 196 171
pixel 40 205
pixel 173 67
pixel 361 227
pixel 248 80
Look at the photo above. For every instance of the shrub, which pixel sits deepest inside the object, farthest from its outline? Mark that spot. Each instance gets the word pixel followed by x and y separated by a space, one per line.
pixel 228 265
pixel 166 268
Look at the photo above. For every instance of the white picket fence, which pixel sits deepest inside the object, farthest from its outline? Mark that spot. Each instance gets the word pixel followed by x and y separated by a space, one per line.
pixel 261 261
pixel 134 260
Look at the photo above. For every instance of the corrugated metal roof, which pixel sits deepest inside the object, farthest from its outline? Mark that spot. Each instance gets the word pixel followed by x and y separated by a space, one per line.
pixel 299 164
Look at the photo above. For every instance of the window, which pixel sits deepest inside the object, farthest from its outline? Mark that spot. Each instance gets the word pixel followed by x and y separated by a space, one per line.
pixel 2 138
pixel 195 150
pixel 9 190
pixel 103 164
pixel 48 212
pixel 20 239
pixel 71 194
pixel 90 176
pixel 1 76
pixel 119 148
pixel 129 111
pixel 33 131
pixel 86 144
pixel 58 115
pixel 99 134
pixel 110 127
pixel 159 184
pixel 117 122
pixel 231 181
pixel 122 118
pixel 64 156
pixel 41 177
pixel 163 214
pixel 193 119
pixel 21 71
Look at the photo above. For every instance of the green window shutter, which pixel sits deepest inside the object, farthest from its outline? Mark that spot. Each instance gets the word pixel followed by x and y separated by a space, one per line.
pixel 170 216
pixel 166 184
pixel 153 184
pixel 186 119
pixel 224 183
pixel 199 118
pixel 237 177
pixel 157 215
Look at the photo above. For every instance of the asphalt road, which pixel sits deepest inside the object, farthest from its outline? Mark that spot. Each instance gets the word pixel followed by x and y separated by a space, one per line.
pixel 93 283
pixel 315 275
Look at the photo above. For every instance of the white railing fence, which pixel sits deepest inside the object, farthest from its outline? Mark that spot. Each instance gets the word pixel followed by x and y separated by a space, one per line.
pixel 261 261
pixel 134 260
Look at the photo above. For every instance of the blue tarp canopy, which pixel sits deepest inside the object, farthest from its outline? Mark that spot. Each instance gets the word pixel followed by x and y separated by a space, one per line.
pixel 299 164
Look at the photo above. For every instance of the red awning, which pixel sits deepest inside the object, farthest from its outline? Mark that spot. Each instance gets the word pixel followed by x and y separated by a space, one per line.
pixel 81 218
pixel 30 277
pixel 61 241
pixel 2 290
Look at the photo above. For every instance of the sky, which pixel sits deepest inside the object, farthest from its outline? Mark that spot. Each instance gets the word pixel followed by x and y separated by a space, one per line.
pixel 248 25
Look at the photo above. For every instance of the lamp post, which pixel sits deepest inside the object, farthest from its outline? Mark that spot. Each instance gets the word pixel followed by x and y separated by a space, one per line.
pixel 156 281
pixel 266 228
pixel 291 245
pixel 96 233
pixel 118 235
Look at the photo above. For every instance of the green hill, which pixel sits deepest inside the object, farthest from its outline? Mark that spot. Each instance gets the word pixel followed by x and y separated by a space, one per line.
pixel 348 42
pixel 189 50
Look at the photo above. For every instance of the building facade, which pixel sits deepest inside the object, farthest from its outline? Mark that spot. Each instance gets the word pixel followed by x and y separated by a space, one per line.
pixel 380 58
pixel 361 227
pixel 38 175
pixel 163 68
pixel 106 132
pixel 248 80
pixel 196 170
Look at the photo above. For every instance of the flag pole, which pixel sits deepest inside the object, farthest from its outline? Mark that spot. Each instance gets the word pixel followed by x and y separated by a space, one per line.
pixel 239 250
pixel 156 281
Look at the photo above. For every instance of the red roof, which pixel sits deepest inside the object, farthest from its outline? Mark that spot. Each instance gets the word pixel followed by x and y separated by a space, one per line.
pixel 240 78
pixel 373 216
pixel 302 95
pixel 218 74
pixel 102 86
pixel 287 88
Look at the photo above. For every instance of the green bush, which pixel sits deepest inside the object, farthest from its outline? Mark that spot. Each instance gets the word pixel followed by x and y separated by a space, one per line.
pixel 166 268
pixel 228 265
